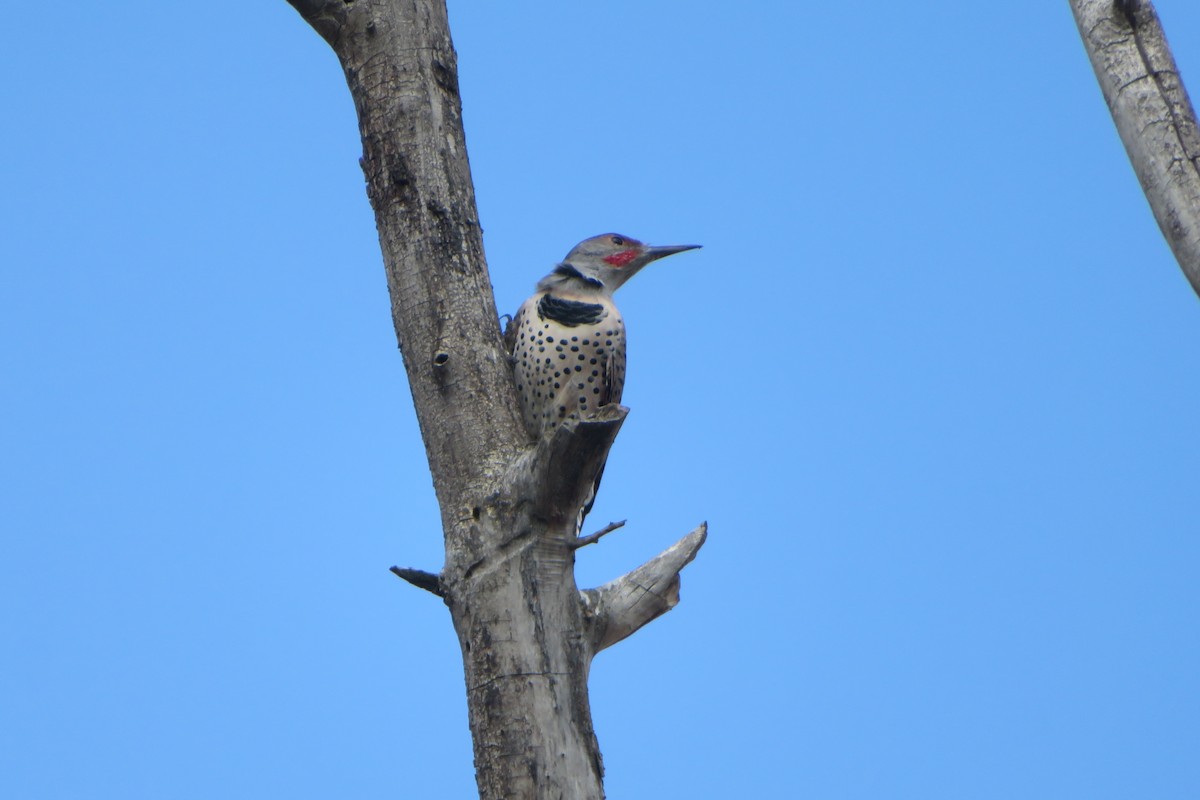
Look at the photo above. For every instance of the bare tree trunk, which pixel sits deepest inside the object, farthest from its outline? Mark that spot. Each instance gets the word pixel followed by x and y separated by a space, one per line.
pixel 508 504
pixel 1153 114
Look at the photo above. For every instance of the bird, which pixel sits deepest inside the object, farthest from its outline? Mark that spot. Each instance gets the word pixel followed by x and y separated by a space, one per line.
pixel 567 341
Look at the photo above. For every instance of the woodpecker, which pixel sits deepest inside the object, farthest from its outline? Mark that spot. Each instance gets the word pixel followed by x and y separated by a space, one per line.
pixel 567 341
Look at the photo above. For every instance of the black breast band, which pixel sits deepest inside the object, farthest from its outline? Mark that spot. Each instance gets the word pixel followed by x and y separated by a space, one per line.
pixel 570 312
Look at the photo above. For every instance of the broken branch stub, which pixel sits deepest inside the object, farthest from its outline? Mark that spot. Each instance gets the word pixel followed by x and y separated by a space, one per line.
pixel 620 607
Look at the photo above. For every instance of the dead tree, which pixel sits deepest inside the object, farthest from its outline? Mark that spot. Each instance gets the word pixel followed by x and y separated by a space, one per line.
pixel 508 504
pixel 1155 118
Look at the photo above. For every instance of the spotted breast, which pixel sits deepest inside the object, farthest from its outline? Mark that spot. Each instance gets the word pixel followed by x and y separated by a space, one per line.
pixel 568 354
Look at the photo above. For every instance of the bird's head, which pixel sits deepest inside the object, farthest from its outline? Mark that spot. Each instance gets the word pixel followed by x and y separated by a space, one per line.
pixel 611 259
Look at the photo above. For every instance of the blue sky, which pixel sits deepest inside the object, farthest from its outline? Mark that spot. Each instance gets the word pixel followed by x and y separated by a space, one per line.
pixel 929 382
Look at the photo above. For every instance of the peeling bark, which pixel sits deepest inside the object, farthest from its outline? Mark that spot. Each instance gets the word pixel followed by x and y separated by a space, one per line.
pixel 1154 117
pixel 509 505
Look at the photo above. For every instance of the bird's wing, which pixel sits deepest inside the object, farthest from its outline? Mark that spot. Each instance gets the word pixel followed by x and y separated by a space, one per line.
pixel 613 380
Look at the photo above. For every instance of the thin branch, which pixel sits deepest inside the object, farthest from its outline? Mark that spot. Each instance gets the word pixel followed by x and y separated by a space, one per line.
pixel 619 608
pixel 421 579
pixel 592 538
pixel 1154 117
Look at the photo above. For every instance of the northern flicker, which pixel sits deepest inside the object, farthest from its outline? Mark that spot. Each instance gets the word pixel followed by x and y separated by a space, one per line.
pixel 568 340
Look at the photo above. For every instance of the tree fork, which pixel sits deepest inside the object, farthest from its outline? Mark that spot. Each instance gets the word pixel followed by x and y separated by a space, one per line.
pixel 508 504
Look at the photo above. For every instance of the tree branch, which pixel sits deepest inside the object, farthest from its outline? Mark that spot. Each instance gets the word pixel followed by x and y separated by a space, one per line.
pixel 592 538
pixel 621 607
pixel 421 579
pixel 325 16
pixel 562 468
pixel 1154 117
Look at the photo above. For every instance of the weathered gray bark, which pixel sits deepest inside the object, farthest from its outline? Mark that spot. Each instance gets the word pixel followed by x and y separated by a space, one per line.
pixel 1154 116
pixel 508 504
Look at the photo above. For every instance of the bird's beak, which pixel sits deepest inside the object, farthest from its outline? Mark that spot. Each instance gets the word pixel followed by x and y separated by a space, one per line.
pixel 655 253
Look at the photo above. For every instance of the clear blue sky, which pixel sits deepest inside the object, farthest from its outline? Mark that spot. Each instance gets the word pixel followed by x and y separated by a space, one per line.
pixel 932 382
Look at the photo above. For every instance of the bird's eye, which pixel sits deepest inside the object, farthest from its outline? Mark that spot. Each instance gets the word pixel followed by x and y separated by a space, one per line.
pixel 618 241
